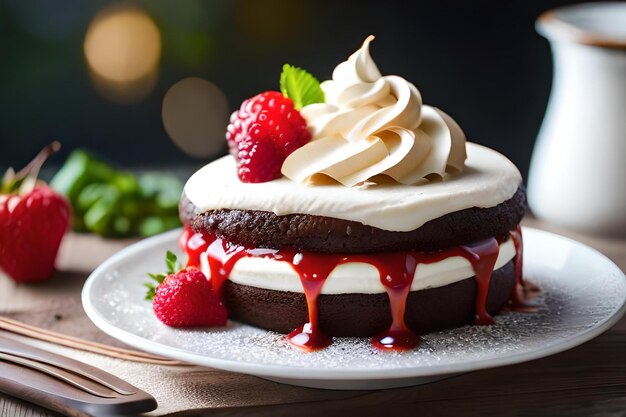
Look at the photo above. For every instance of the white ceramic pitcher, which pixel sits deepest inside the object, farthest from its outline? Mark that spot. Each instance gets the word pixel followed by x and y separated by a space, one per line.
pixel 577 175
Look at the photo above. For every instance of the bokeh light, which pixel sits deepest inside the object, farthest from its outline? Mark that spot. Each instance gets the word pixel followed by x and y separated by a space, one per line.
pixel 123 49
pixel 195 115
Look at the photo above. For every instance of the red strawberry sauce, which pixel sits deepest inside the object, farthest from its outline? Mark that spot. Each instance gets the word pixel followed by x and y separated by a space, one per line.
pixel 396 270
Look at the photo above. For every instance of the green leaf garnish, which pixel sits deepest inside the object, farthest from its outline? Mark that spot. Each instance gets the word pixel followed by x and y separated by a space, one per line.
pixel 173 266
pixel 300 86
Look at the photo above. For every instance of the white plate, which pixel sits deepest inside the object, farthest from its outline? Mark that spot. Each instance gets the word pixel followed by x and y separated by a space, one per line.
pixel 583 294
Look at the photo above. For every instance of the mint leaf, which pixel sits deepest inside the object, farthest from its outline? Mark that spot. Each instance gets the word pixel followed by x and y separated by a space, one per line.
pixel 300 86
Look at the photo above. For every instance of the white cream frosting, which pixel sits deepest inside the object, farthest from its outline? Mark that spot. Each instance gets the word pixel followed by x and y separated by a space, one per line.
pixel 489 179
pixel 372 125
pixel 354 277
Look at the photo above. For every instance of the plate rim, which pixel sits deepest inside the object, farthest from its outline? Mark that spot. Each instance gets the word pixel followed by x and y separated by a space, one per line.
pixel 295 372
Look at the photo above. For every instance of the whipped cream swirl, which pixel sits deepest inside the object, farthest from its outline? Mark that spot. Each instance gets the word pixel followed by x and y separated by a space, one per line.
pixel 372 128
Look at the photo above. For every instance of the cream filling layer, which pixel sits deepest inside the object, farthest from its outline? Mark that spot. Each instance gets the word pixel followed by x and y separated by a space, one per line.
pixel 488 179
pixel 354 277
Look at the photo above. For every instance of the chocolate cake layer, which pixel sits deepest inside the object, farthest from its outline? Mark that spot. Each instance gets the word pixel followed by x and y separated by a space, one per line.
pixel 363 315
pixel 262 229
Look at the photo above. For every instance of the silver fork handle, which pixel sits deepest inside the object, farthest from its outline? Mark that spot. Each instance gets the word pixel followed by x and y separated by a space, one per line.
pixel 56 373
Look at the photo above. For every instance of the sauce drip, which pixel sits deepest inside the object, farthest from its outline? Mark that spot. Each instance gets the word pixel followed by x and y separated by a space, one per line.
pixel 522 290
pixel 483 256
pixel 517 299
pixel 195 245
pixel 222 258
pixel 313 270
pixel 396 271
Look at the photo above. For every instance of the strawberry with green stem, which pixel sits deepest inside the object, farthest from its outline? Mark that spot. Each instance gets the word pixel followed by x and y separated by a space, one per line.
pixel 184 297
pixel 33 221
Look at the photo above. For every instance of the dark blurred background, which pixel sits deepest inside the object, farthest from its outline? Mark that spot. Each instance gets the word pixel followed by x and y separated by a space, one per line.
pixel 61 76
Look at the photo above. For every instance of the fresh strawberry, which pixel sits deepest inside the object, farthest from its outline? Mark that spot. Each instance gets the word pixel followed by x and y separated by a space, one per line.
pixel 184 297
pixel 262 134
pixel 33 220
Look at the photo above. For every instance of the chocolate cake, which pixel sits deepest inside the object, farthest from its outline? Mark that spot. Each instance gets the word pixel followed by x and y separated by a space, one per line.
pixel 386 224
pixel 250 243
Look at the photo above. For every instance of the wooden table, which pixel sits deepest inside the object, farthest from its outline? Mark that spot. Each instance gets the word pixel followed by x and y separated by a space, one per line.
pixel 584 381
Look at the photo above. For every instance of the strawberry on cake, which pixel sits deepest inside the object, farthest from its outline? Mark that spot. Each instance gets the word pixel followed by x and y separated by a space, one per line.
pixel 350 208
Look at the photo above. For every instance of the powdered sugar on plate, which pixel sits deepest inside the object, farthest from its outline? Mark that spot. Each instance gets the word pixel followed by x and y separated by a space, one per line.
pixel 582 294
